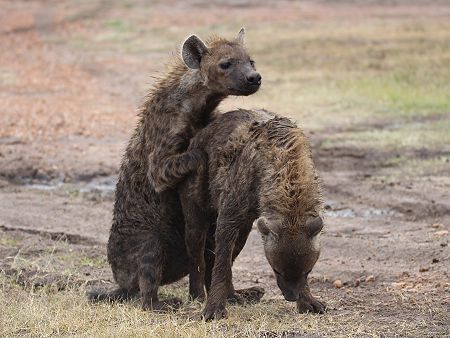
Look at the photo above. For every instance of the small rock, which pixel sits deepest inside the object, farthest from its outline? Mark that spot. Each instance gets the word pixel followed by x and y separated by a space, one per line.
pixel 437 225
pixel 405 274
pixel 434 261
pixel 3 183
pixel 370 278
pixel 357 282
pixel 399 285
pixel 424 269
pixel 337 283
pixel 441 233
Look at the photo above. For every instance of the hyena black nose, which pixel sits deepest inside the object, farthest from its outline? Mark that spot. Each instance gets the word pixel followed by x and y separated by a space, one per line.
pixel 254 78
pixel 290 296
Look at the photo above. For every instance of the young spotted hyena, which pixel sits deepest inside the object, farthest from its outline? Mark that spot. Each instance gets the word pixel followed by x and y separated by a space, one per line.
pixel 260 171
pixel 146 245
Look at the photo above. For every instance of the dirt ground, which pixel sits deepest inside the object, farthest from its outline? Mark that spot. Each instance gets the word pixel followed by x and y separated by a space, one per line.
pixel 369 82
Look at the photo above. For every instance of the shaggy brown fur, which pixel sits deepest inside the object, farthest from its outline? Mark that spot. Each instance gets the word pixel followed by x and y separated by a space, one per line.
pixel 146 244
pixel 260 170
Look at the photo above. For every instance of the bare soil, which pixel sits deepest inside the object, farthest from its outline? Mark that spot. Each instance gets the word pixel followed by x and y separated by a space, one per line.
pixel 67 113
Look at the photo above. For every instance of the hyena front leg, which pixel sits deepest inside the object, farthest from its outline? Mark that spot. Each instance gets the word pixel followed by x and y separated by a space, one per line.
pixel 227 232
pixel 165 171
pixel 195 238
pixel 308 303
pixel 242 296
pixel 250 295
pixel 197 223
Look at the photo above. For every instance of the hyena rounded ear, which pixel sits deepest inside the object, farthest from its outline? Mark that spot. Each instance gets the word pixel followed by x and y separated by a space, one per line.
pixel 263 226
pixel 314 226
pixel 193 51
pixel 240 36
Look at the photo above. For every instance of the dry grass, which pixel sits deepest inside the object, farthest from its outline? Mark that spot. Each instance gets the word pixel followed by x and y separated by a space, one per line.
pixel 45 296
pixel 47 312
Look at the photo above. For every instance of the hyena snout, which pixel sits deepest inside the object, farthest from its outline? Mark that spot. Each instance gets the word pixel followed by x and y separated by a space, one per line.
pixel 290 295
pixel 254 79
pixel 290 290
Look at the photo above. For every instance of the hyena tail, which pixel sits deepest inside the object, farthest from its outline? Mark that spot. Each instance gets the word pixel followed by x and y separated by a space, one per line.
pixel 118 295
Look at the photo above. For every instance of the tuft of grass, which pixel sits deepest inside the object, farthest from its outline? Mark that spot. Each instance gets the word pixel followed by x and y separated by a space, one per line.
pixel 98 262
pixel 117 25
pixel 10 239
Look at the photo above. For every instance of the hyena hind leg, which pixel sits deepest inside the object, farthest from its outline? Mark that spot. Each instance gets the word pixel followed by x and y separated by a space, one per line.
pixel 150 276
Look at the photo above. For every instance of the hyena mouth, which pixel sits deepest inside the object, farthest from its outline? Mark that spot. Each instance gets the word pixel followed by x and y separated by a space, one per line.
pixel 290 296
pixel 248 89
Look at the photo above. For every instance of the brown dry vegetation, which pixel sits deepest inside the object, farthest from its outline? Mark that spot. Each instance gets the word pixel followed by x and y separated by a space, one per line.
pixel 368 81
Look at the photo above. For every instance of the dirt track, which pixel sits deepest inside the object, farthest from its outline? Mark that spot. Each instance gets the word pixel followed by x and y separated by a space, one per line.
pixel 68 111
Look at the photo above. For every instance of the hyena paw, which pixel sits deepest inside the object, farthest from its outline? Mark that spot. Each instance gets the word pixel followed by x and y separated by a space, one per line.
pixel 214 312
pixel 310 304
pixel 246 296
pixel 197 295
pixel 163 306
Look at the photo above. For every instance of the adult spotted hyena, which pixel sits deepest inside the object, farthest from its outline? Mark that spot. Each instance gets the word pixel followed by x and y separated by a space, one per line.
pixel 260 171
pixel 146 245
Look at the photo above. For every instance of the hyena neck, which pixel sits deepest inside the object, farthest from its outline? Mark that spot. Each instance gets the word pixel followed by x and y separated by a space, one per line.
pixel 269 193
pixel 289 184
pixel 183 93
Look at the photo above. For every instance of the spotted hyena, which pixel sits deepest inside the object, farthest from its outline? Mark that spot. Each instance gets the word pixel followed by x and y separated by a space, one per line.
pixel 260 172
pixel 146 247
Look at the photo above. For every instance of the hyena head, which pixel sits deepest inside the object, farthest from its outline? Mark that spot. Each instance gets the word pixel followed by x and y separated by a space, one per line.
pixel 292 250
pixel 224 65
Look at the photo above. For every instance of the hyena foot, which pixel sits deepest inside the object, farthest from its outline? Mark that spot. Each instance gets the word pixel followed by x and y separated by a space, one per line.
pixel 307 303
pixel 118 295
pixel 162 305
pixel 214 312
pixel 198 295
pixel 246 296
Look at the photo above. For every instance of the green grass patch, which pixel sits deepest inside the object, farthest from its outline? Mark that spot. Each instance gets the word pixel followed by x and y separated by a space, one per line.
pixel 10 239
pixel 410 136
pixel 402 93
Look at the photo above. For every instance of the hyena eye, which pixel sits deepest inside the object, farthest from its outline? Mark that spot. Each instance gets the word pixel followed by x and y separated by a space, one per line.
pixel 252 63
pixel 225 65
